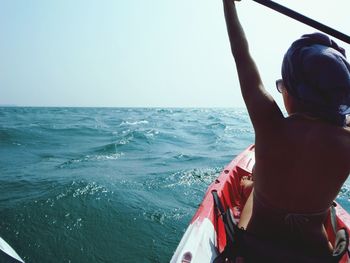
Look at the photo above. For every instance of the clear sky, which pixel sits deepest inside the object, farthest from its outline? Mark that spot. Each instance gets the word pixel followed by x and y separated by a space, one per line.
pixel 157 53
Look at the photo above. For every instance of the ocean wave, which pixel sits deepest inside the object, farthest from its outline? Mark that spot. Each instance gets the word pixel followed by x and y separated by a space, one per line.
pixel 234 131
pixel 110 148
pixel 171 136
pixel 136 138
pixel 91 158
pixel 216 125
pixel 196 178
pixel 75 130
pixel 344 192
pixel 193 177
pixel 19 135
pixel 127 123
pixel 5 136
pixel 125 141
pixel 187 157
pixel 161 216
pixel 214 118
pixel 165 110
pixel 75 189
pixel 82 188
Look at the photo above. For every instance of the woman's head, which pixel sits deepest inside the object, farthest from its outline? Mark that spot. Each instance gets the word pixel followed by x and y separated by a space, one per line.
pixel 316 77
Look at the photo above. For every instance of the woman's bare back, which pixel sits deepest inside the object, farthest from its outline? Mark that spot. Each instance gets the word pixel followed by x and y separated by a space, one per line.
pixel 302 164
pixel 299 172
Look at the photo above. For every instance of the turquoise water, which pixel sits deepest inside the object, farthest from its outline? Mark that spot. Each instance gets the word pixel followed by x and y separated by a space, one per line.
pixel 110 184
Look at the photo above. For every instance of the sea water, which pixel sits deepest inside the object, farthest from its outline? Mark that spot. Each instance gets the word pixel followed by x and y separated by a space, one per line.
pixel 110 184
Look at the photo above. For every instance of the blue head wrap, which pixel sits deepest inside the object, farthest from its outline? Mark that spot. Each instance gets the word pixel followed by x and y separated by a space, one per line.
pixel 316 72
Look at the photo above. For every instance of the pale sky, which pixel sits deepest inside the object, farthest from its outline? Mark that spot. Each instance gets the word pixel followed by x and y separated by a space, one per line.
pixel 137 53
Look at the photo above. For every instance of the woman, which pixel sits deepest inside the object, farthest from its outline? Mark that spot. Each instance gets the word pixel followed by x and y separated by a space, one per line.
pixel 302 160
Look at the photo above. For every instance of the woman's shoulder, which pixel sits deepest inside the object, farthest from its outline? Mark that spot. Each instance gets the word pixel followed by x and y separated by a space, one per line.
pixel 299 134
pixel 319 138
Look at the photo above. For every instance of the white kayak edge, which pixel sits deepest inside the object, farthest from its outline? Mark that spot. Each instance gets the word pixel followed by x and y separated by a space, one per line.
pixel 198 244
pixel 9 251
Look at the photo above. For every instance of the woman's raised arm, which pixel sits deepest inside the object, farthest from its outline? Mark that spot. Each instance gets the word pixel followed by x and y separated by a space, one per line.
pixel 261 106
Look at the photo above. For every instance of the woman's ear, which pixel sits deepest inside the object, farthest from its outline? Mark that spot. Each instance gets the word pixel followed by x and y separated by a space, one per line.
pixel 290 103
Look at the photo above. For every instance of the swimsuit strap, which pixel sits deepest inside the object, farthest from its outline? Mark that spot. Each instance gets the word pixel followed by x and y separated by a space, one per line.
pixel 294 220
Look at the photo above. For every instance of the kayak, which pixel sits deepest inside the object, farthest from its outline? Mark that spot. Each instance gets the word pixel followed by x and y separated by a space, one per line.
pixel 205 237
pixel 8 254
